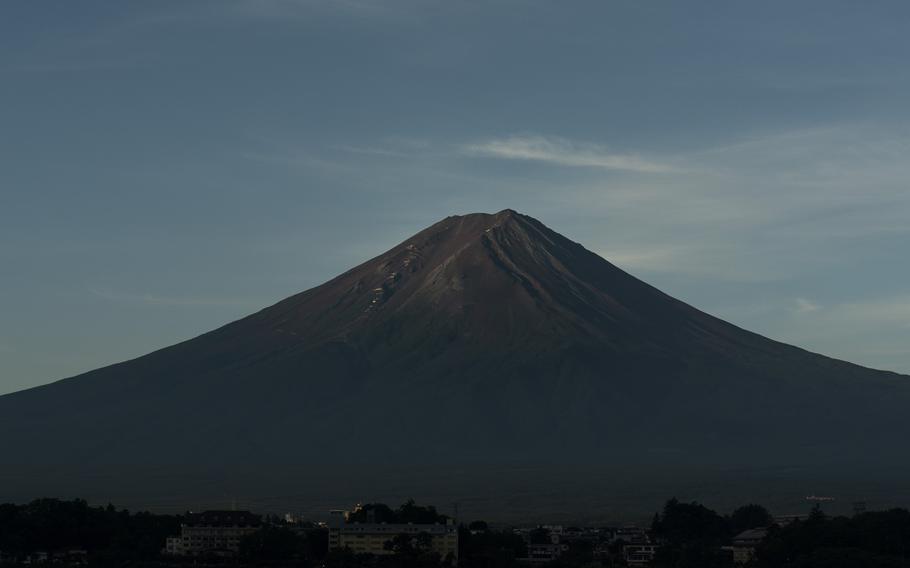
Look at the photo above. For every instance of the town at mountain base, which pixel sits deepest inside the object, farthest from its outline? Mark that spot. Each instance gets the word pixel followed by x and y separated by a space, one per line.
pixel 374 535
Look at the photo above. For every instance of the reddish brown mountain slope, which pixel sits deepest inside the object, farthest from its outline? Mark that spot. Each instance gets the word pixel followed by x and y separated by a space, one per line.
pixel 484 339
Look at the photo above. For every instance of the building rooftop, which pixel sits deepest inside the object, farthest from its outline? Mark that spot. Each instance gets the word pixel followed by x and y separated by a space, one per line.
pixel 751 535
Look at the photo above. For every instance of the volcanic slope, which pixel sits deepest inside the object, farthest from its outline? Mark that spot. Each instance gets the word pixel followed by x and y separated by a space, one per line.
pixel 482 340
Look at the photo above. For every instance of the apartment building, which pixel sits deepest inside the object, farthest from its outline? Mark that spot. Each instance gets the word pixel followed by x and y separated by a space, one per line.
pixel 212 533
pixel 371 537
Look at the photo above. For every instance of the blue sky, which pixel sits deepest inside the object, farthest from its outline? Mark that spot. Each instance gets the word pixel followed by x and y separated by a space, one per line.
pixel 167 167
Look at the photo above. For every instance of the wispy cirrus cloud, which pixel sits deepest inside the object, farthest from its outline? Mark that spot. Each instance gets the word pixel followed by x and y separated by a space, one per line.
pixel 563 152
pixel 805 306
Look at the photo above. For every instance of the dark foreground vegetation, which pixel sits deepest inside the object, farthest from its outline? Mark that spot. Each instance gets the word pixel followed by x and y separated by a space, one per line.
pixel 877 540
pixel 684 535
pixel 691 535
pixel 408 512
pixel 76 532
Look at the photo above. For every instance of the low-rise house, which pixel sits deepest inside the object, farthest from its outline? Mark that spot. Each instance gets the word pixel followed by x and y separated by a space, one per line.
pixel 549 545
pixel 745 543
pixel 576 534
pixel 543 553
pixel 639 554
pixel 631 535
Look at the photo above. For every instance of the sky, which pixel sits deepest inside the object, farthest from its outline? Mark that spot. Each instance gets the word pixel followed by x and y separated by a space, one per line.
pixel 167 167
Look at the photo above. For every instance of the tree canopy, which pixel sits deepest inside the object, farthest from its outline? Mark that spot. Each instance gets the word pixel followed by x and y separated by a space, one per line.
pixel 408 512
pixel 103 532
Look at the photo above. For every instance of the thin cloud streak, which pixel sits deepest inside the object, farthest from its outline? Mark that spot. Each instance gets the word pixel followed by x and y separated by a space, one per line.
pixel 804 306
pixel 560 151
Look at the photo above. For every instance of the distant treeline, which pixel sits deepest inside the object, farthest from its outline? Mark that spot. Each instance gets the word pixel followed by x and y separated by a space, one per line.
pixel 692 536
pixel 689 535
pixel 873 540
pixel 106 534
pixel 409 512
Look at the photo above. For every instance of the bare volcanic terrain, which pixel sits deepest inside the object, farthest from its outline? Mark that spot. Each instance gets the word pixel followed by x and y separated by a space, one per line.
pixel 483 344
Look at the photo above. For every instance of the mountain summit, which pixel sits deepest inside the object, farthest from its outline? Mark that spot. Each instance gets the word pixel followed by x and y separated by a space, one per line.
pixel 482 341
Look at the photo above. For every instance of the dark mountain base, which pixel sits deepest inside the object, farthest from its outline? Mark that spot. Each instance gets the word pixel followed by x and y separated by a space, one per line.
pixel 589 495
